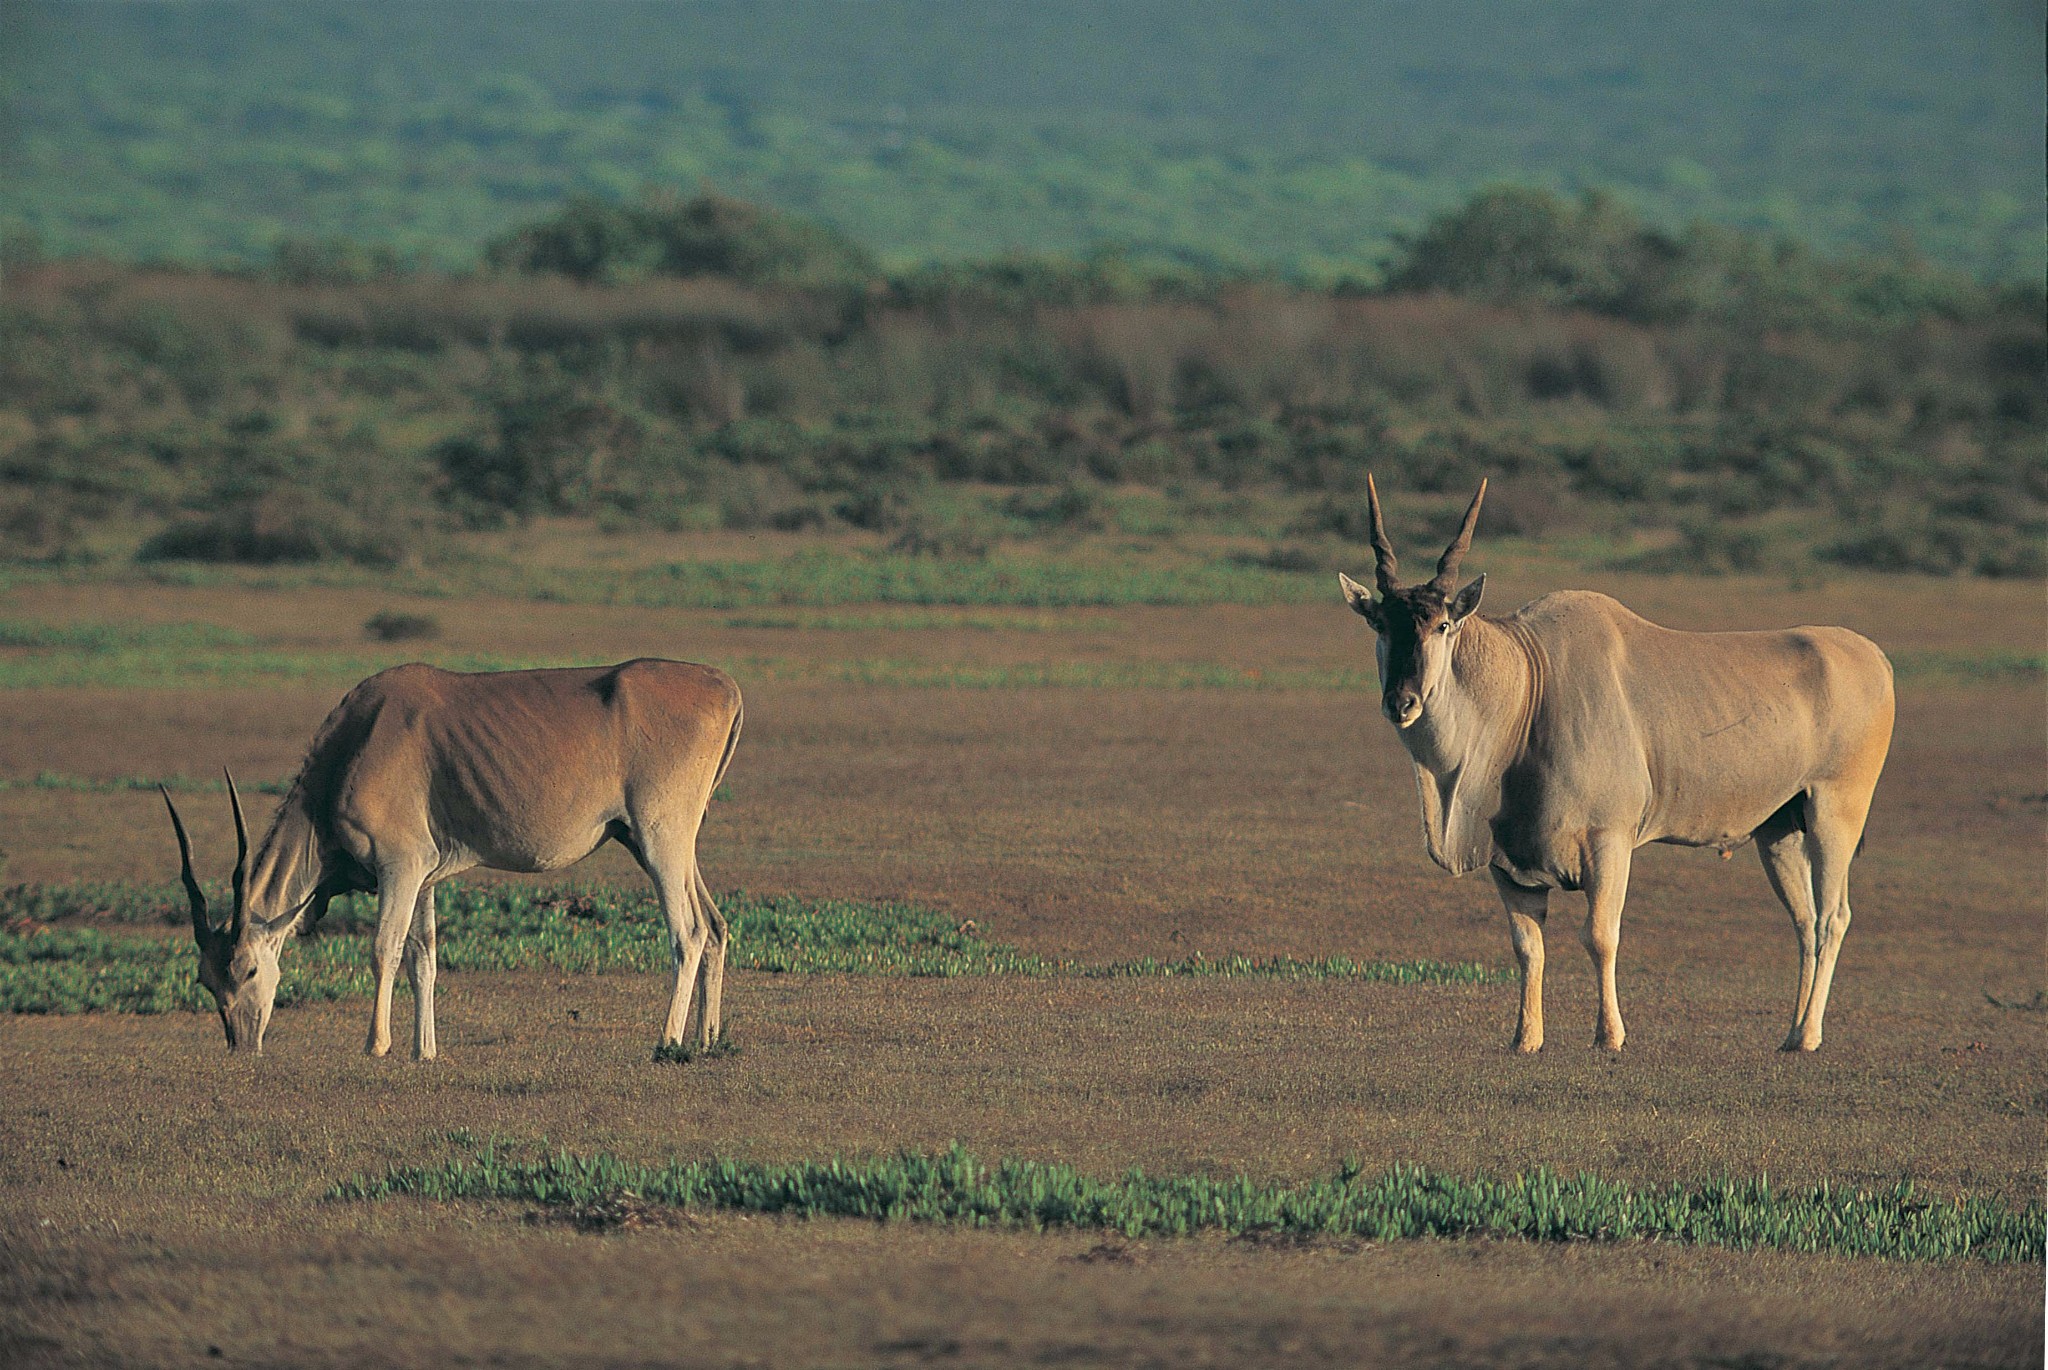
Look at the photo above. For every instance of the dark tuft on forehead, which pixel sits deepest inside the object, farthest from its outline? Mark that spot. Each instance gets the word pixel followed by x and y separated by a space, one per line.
pixel 1422 600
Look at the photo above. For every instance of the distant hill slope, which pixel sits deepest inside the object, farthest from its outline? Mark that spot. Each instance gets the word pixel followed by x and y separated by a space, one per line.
pixel 1300 135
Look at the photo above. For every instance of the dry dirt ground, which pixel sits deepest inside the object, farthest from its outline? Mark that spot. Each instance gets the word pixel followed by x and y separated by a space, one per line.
pixel 161 1200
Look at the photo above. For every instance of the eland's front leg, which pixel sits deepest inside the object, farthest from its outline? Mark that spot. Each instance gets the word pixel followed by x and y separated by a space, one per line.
pixel 398 894
pixel 1527 906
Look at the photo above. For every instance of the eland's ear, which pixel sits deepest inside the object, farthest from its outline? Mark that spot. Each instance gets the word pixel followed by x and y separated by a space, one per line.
pixel 1360 599
pixel 1466 600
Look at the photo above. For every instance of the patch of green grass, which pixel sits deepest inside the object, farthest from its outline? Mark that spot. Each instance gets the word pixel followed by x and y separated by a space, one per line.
pixel 1199 966
pixel 84 970
pixel 176 784
pixel 1959 665
pixel 955 1187
pixel 117 784
pixel 684 1053
pixel 1072 675
pixel 77 655
pixel 66 969
pixel 913 620
pixel 187 656
pixel 201 668
pixel 183 667
pixel 99 901
pixel 112 637
pixel 2037 1004
pixel 821 577
pixel 830 578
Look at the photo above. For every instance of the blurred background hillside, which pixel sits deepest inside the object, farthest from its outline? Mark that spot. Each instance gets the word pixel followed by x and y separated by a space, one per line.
pixel 1298 135
pixel 1754 286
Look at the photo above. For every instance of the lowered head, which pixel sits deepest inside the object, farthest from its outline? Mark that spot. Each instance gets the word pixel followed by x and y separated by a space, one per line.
pixel 237 963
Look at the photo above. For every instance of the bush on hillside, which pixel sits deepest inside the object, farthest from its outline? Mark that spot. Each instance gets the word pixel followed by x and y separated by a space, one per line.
pixel 599 241
pixel 280 527
pixel 1517 245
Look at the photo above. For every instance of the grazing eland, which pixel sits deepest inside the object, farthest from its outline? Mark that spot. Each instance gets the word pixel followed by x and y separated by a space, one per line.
pixel 420 774
pixel 1550 744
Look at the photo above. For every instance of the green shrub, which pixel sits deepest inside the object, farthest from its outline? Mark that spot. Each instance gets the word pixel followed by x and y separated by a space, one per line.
pixel 704 235
pixel 1349 519
pixel 1517 245
pixel 42 528
pixel 1945 546
pixel 1070 507
pixel 389 625
pixel 331 261
pixel 1285 557
pixel 554 444
pixel 924 537
pixel 279 527
pixel 1711 548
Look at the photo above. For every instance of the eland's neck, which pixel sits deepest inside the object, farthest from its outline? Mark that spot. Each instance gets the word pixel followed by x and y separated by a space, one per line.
pixel 1482 712
pixel 288 867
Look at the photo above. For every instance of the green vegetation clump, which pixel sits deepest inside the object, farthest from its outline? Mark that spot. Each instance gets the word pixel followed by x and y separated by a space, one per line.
pixel 390 625
pixel 1404 1202
pixel 1519 245
pixel 117 784
pixel 84 970
pixel 1729 405
pixel 278 527
pixel 824 578
pixel 66 969
pixel 911 620
pixel 597 241
pixel 102 638
pixel 25 908
pixel 1952 665
pixel 87 654
pixel 684 1053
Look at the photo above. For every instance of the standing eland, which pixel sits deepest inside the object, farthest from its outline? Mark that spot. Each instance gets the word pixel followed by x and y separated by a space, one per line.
pixel 1550 744
pixel 420 774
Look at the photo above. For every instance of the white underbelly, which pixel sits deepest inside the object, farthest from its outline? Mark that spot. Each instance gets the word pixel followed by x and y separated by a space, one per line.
pixel 532 856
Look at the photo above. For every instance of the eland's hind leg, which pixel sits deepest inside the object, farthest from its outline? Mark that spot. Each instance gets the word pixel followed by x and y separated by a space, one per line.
pixel 1834 826
pixel 671 863
pixel 1606 884
pixel 420 947
pixel 1781 847
pixel 711 978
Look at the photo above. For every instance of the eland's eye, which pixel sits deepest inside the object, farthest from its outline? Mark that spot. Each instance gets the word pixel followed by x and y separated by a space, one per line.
pixel 1444 627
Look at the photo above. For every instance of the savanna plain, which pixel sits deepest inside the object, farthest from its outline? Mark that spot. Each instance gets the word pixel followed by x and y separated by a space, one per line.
pixel 1156 788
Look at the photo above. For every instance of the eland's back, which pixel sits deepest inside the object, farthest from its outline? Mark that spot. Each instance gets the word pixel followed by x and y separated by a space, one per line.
pixel 1702 735
pixel 527 768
